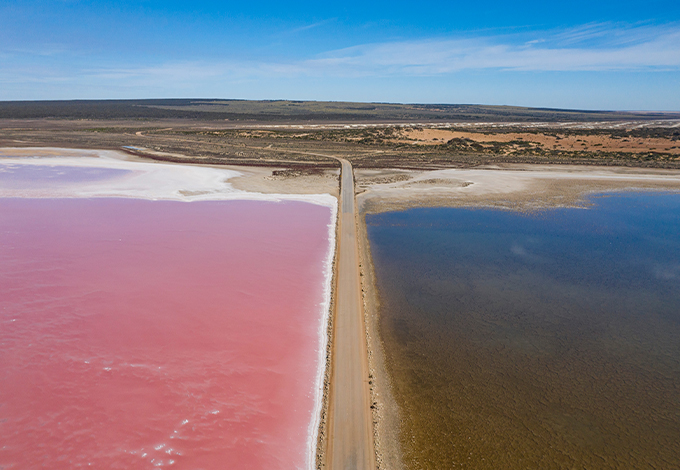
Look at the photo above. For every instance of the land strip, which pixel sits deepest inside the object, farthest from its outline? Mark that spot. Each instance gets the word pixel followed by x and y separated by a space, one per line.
pixel 241 111
pixel 509 186
pixel 650 144
pixel 350 427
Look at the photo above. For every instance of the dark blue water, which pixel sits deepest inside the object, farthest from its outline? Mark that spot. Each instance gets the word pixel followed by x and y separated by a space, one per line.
pixel 548 340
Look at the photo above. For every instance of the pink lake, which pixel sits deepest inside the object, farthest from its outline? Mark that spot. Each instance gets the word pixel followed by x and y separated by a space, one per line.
pixel 144 334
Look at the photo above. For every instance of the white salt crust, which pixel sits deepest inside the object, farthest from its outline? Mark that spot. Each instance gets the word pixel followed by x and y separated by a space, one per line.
pixel 145 180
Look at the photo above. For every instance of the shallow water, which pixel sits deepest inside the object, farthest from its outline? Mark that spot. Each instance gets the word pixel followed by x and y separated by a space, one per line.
pixel 43 176
pixel 146 334
pixel 549 340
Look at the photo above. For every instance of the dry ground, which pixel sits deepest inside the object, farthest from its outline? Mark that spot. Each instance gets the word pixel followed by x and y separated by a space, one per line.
pixel 556 140
pixel 366 145
pixel 512 186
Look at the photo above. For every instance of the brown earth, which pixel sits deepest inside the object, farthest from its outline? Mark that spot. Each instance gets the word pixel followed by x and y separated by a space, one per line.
pixel 557 141
pixel 409 146
pixel 512 186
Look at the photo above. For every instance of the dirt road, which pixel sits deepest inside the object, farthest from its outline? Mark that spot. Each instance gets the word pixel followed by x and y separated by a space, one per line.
pixel 350 428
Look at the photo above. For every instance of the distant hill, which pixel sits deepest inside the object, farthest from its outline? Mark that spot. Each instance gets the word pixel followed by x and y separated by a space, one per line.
pixel 302 111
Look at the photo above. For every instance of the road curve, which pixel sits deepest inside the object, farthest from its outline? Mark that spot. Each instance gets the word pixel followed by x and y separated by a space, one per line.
pixel 350 426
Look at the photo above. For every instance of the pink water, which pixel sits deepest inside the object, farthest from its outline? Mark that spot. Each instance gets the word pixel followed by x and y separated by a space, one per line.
pixel 145 334
pixel 43 176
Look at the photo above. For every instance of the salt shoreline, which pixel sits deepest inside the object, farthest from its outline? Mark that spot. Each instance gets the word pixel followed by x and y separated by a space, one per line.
pixel 145 180
pixel 314 426
pixel 510 186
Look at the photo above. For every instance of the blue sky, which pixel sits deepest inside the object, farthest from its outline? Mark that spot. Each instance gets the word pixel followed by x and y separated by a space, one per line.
pixel 582 54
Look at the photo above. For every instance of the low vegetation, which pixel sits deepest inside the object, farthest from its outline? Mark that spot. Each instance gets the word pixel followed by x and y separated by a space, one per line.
pixel 375 135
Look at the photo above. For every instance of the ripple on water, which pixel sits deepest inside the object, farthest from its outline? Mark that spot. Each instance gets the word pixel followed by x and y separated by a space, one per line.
pixel 127 338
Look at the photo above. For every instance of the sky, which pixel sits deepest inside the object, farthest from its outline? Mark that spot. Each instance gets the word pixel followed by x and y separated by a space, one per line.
pixel 618 55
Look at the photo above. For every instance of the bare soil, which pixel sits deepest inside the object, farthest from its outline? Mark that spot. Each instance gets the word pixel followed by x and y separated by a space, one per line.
pixel 645 144
pixel 556 141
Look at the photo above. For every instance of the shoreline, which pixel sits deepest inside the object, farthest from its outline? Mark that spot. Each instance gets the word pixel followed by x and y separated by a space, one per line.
pixel 322 418
pixel 320 400
pixel 511 187
pixel 385 411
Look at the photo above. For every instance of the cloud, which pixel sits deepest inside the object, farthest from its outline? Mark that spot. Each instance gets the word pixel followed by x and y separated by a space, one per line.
pixel 591 48
pixel 645 49
pixel 310 26
pixel 518 250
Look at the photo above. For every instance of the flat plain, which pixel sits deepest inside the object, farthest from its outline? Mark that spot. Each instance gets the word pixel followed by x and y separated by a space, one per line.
pixel 369 135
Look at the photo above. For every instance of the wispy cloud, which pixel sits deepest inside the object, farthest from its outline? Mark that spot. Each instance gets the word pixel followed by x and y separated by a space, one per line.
pixel 310 26
pixel 588 48
pixel 176 71
pixel 593 47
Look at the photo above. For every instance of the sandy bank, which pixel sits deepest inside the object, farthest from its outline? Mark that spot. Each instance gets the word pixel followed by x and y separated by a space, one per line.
pixel 386 416
pixel 520 187
pixel 271 180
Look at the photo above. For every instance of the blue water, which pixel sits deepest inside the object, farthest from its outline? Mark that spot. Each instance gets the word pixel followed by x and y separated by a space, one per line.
pixel 543 340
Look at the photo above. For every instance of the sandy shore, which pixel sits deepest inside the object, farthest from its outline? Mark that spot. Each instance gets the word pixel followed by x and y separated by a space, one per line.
pixel 386 417
pixel 265 180
pixel 519 187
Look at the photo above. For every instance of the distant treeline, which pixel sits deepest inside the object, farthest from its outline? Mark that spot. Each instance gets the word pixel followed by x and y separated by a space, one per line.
pixel 300 111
